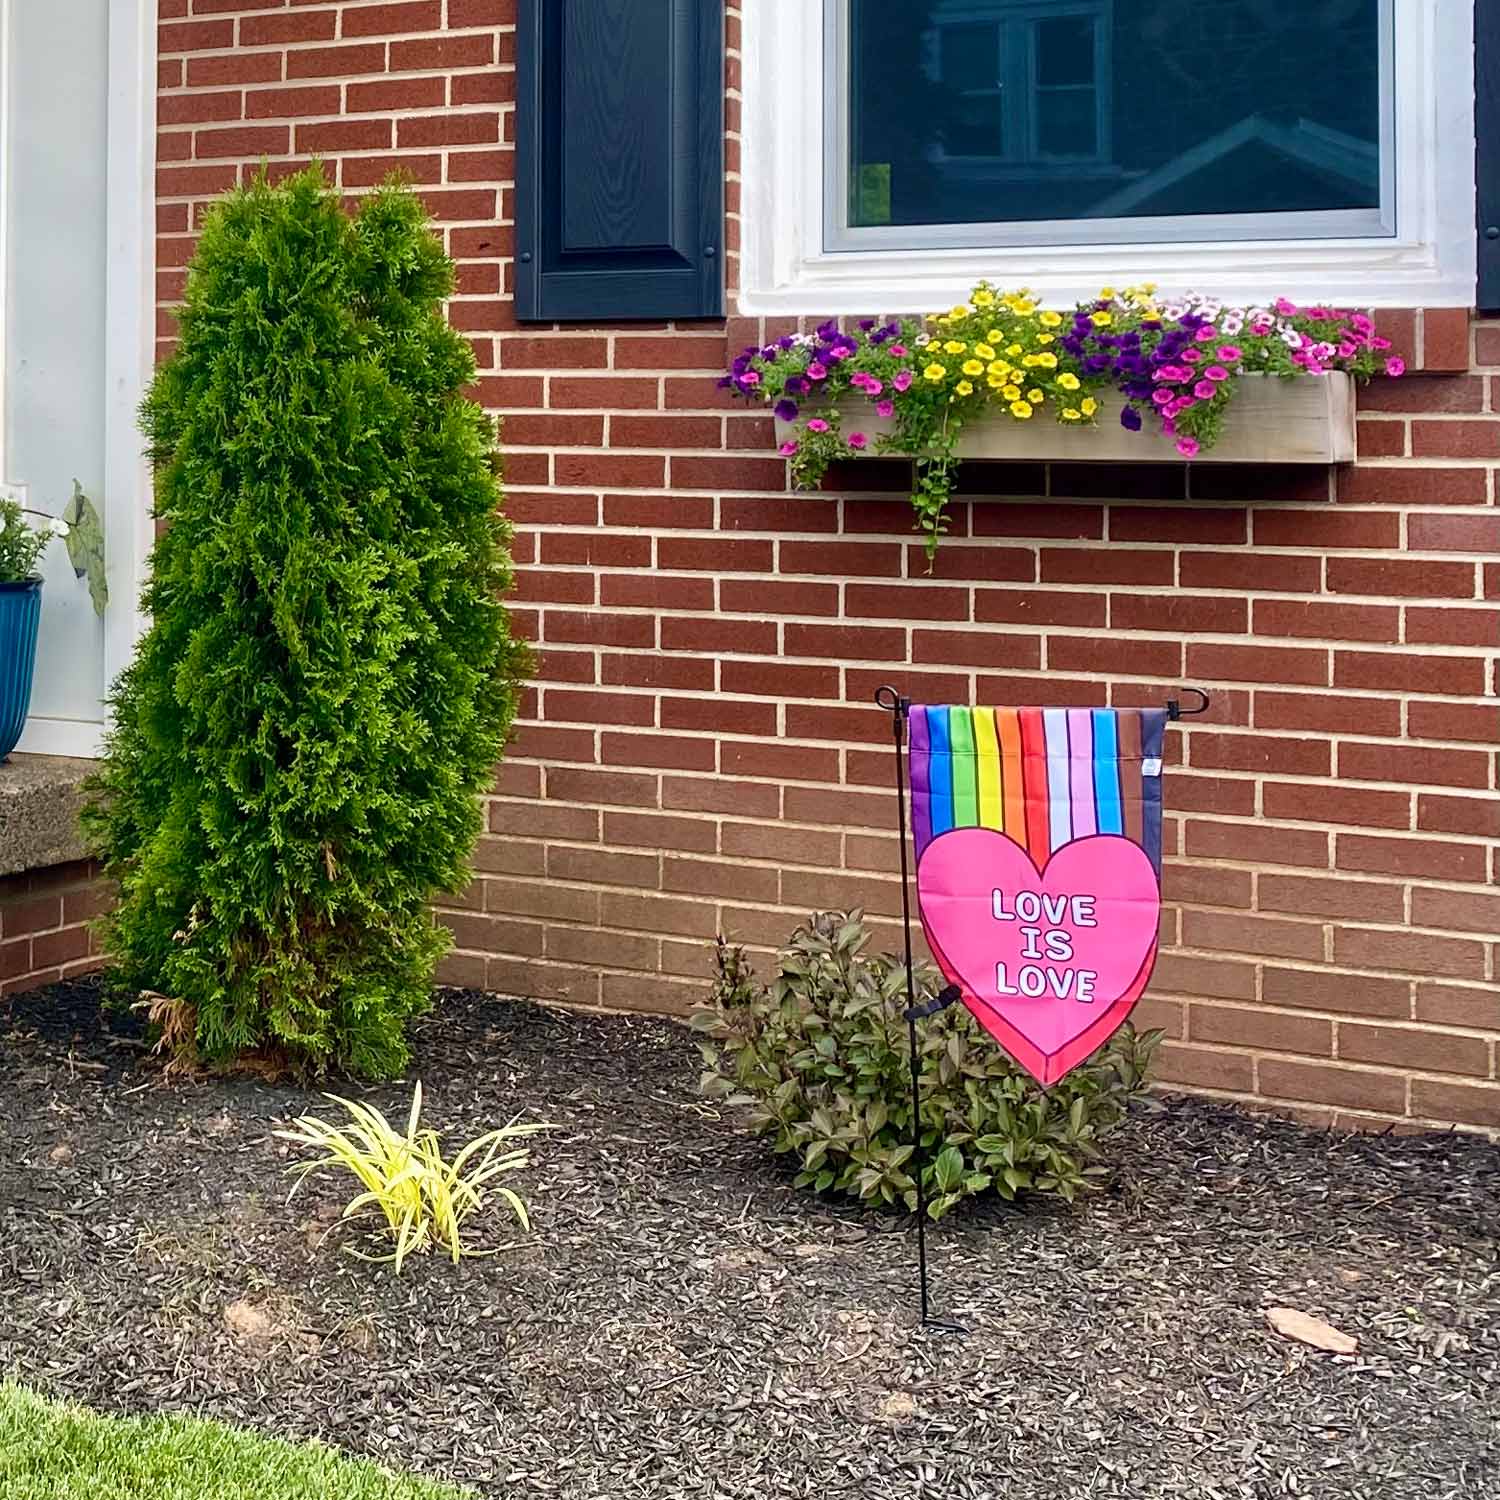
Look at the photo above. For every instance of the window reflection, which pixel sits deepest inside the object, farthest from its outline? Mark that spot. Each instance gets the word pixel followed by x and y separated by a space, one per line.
pixel 979 111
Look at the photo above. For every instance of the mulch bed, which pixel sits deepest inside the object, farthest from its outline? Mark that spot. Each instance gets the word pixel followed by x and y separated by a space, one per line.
pixel 680 1322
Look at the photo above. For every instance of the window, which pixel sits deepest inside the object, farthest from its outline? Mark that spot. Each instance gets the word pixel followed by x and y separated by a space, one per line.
pixel 1321 146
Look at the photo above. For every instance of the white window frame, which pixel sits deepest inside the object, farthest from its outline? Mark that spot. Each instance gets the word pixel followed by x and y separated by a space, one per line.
pixel 129 352
pixel 789 182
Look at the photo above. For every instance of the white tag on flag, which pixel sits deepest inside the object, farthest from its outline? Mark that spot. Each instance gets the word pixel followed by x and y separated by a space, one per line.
pixel 1151 766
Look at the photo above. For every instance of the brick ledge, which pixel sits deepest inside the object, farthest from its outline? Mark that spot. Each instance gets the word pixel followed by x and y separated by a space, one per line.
pixel 40 797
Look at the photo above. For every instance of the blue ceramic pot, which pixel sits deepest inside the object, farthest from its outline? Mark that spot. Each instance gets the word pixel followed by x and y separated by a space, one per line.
pixel 20 612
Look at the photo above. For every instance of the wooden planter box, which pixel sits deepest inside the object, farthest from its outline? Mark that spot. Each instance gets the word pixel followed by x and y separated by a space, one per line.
pixel 1309 420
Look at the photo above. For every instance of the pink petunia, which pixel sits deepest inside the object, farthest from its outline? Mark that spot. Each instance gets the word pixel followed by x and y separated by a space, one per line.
pixel 886 408
pixel 817 371
pixel 1187 447
pixel 1192 356
pixel 750 377
pixel 1207 334
pixel 1204 390
pixel 1285 308
pixel 1231 353
pixel 1162 396
pixel 1380 343
pixel 873 387
pixel 858 440
pixel 787 449
pixel 1216 372
pixel 839 352
pixel 817 425
pixel 899 350
pixel 902 380
pixel 1395 366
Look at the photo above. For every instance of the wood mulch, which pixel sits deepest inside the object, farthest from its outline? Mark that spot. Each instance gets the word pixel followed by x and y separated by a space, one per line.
pixel 680 1322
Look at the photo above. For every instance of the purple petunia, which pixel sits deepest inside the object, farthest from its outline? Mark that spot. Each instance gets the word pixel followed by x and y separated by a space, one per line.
pixel 786 411
pixel 1130 419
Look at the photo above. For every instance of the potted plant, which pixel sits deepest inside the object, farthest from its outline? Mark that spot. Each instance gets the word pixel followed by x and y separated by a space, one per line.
pixel 21 544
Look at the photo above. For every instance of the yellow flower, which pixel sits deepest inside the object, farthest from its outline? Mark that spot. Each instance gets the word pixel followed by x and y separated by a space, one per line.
pixel 1035 397
pixel 964 388
pixel 1068 380
pixel 1047 361
pixel 1051 319
pixel 960 311
pixel 984 351
pixel 1032 361
pixel 973 367
pixel 1103 319
pixel 1090 406
pixel 1071 414
pixel 1013 350
pixel 994 336
pixel 983 297
pixel 935 373
pixel 1024 305
pixel 999 367
pixel 1045 338
pixel 1107 293
pixel 995 382
pixel 1011 392
pixel 1020 409
pixel 954 347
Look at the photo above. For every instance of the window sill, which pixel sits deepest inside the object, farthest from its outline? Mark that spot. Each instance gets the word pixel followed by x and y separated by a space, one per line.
pixel 40 798
pixel 1272 421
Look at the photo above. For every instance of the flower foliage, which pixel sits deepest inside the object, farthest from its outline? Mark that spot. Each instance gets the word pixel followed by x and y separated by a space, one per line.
pixel 329 673
pixel 21 543
pixel 1171 363
pixel 820 1058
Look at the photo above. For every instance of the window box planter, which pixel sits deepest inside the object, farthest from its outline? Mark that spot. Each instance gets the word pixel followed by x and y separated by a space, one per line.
pixel 1276 421
pixel 20 613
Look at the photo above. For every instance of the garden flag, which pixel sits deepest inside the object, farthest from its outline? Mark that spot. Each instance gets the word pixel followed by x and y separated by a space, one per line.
pixel 1038 844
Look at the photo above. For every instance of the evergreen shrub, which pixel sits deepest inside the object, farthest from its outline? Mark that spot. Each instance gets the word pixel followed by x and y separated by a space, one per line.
pixel 329 674
pixel 821 1060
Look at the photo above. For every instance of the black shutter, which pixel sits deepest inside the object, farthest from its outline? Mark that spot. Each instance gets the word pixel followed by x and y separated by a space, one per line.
pixel 1487 139
pixel 619 159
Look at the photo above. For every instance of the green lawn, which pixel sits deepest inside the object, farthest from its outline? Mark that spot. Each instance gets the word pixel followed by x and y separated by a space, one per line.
pixel 52 1452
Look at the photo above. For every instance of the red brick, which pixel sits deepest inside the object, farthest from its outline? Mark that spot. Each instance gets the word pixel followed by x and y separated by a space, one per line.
pixel 747 637
pixel 719 715
pixel 1436 859
pixel 1203 1068
pixel 665 432
pixel 1346 994
pixel 448 129
pixel 780 761
pixel 1376 439
pixel 779 679
pixel 1421 765
pixel 1275 664
pixel 1459 911
pixel 1039 607
pixel 659 512
pixel 1348 1088
pixel 777 513
pixel 1105 565
pixel 481 166
pixel 335 62
pixel 553 430
pixel 663 751
pixel 1358 807
pixel 392 19
pixel 1327 528
pixel 1107 654
pixel 1477 1006
pixel 1408 672
pixel 728 473
pixel 842 559
pixel 463 13
pixel 1460 1103
pixel 745 799
pixel 1421 953
pixel 850 642
pixel 1436 531
pixel 1376 484
pixel 1263 1030
pixel 656 591
pixel 1479 722
pixel 583 627
pixel 1328 713
pixel 1181 614
pixel 1245 570
pixel 623 670
pixel 608 470
pixel 1252 932
pixel 1362 900
pixel 1472 817
pixel 674 351
pixel 1445 338
pixel 599 392
pixel 191 36
pixel 234 67
pixel 1253 843
pixel 963 564
pixel 714 554
pixel 1455 439
pixel 905 601
pixel 1317 620
pixel 291 103
pixel 397 93
pixel 190 109
pixel 442 52
pixel 766 597
pixel 292 26
pixel 345 135
pixel 1451 625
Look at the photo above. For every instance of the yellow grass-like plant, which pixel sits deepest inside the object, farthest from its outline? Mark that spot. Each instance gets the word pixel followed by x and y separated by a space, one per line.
pixel 425 1199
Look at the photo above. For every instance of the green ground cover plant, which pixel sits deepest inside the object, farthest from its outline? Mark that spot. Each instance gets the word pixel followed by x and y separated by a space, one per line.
pixel 329 674
pixel 50 1452
pixel 819 1058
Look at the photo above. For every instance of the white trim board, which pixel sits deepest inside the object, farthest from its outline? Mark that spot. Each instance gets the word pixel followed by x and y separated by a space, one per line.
pixel 129 350
pixel 785 268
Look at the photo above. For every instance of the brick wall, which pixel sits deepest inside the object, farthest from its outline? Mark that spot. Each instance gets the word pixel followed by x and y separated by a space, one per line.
pixel 700 752
pixel 44 934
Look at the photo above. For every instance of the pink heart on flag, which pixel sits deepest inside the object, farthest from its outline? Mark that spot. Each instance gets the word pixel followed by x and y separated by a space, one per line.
pixel 1051 962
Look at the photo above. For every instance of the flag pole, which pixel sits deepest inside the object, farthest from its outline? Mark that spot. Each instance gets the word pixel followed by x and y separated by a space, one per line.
pixel 899 709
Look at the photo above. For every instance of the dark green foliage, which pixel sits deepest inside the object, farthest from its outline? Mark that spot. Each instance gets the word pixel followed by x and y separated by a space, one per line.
pixel 822 1060
pixel 329 674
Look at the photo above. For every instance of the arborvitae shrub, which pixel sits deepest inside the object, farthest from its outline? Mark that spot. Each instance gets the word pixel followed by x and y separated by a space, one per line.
pixel 329 674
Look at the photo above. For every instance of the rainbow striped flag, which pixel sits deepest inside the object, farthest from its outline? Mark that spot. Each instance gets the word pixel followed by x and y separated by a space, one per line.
pixel 1041 776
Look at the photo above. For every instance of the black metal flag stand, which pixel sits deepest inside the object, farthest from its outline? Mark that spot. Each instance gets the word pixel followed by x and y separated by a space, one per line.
pixel 890 700
pixel 899 709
